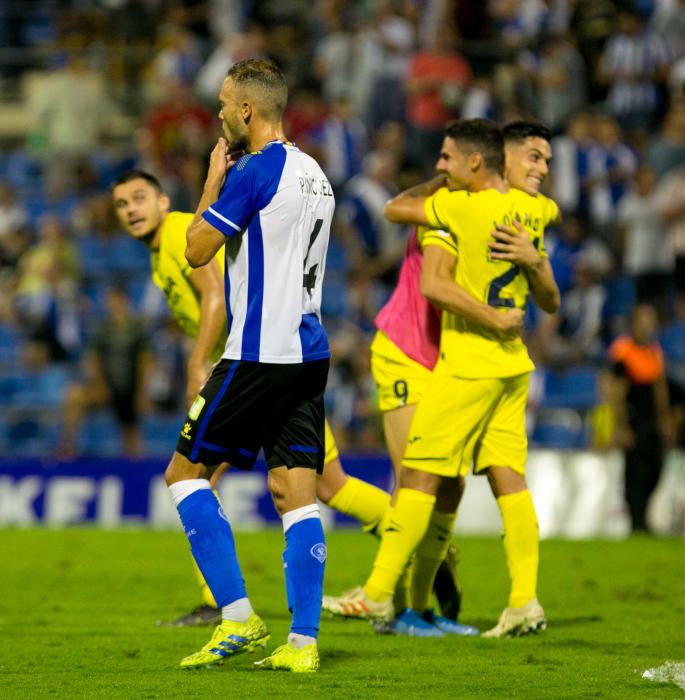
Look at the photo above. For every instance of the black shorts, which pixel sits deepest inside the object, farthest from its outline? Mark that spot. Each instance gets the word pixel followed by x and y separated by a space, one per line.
pixel 246 406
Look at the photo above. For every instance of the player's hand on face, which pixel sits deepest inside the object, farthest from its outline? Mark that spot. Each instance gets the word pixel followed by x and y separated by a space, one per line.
pixel 219 161
pixel 512 243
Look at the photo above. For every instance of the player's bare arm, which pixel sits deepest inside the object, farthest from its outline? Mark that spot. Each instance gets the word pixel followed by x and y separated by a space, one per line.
pixel 440 288
pixel 514 246
pixel 202 239
pixel 209 284
pixel 408 206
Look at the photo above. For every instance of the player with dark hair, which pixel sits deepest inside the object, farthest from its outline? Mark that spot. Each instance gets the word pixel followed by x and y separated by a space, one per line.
pixel 528 152
pixel 473 408
pixel 195 296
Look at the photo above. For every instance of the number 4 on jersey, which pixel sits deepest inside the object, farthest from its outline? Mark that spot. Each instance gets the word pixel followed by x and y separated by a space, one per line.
pixel 309 277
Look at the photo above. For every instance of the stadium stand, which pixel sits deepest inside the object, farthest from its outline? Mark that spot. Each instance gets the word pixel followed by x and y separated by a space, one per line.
pixel 505 57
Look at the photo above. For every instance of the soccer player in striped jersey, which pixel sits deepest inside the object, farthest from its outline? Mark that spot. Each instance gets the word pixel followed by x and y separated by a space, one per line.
pixel 473 407
pixel 196 300
pixel 270 210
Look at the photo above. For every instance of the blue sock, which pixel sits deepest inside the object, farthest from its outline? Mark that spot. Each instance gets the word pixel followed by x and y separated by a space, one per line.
pixel 303 561
pixel 212 545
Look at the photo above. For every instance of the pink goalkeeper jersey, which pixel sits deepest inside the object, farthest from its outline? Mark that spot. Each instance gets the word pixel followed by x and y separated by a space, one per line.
pixel 408 318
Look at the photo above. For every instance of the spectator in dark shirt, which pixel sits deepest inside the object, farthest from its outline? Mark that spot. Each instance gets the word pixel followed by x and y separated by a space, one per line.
pixel 115 369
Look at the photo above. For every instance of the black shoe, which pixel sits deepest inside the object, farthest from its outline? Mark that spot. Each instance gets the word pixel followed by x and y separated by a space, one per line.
pixel 199 616
pixel 446 586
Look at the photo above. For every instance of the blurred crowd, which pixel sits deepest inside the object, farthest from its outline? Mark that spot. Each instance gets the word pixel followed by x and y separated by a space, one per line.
pixel 112 84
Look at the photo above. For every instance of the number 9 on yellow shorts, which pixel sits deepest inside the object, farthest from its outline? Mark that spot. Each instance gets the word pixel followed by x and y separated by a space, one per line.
pixel 399 379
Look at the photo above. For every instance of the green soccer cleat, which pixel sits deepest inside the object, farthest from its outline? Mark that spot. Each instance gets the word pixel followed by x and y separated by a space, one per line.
pixel 229 639
pixel 290 658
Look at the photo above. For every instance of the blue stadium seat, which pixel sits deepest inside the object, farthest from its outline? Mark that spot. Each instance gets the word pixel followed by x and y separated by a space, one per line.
pixel 672 340
pixel 575 387
pixel 620 297
pixel 160 433
pixel 336 259
pixel 30 436
pixel 22 170
pixel 128 256
pixel 101 435
pixel 39 391
pixel 559 428
pixel 334 298
pixel 10 343
pixel 136 292
pixel 95 257
pixel 35 207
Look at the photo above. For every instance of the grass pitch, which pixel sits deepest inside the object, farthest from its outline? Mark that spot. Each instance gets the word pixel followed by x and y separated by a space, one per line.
pixel 78 610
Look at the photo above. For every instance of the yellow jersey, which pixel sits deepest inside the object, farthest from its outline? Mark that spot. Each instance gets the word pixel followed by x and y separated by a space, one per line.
pixel 467 220
pixel 171 273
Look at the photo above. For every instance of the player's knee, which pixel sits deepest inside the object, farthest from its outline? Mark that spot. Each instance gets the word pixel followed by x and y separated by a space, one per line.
pixel 505 481
pixel 279 492
pixel 420 481
pixel 180 469
pixel 170 474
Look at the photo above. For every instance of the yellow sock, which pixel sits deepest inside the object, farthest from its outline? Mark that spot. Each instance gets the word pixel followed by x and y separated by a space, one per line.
pixel 429 555
pixel 364 502
pixel 402 597
pixel 521 541
pixel 408 523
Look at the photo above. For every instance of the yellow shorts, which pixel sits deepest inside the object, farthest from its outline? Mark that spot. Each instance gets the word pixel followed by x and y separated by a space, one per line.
pixel 330 448
pixel 463 422
pixel 400 380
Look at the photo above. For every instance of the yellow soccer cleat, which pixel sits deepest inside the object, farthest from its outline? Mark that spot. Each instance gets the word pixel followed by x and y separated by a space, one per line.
pixel 356 604
pixel 229 639
pixel 290 658
pixel 516 622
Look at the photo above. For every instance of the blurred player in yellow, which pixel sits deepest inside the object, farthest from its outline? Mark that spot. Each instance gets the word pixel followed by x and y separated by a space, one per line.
pixel 196 300
pixel 473 408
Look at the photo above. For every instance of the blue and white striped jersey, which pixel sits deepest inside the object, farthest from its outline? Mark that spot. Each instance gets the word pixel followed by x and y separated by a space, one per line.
pixel 275 208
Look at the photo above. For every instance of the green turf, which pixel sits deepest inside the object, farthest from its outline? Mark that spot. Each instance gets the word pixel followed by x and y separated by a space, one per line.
pixel 78 610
